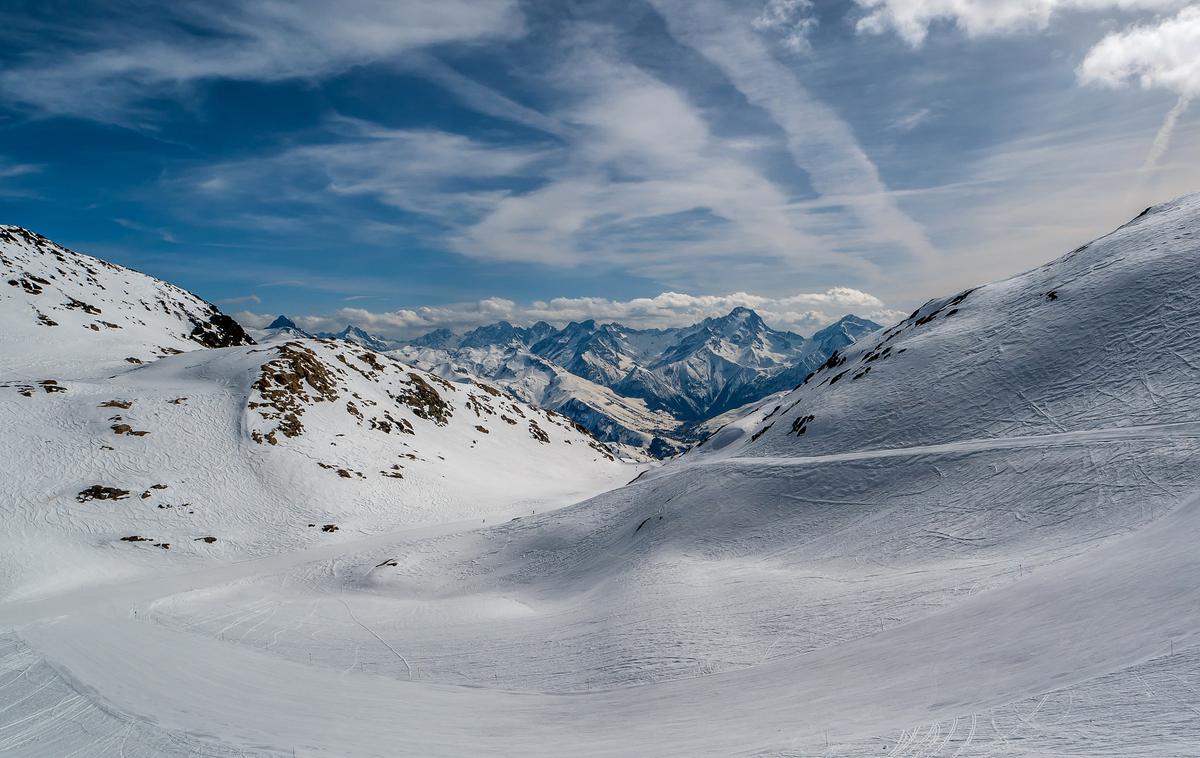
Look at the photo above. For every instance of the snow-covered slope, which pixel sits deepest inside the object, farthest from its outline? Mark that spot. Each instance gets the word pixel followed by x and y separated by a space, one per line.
pixel 62 310
pixel 1104 336
pixel 260 447
pixel 939 575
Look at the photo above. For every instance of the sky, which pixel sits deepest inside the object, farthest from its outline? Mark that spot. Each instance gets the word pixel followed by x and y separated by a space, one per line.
pixel 410 164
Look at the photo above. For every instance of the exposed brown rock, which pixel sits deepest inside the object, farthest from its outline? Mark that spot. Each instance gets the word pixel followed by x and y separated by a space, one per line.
pixel 101 492
pixel 424 401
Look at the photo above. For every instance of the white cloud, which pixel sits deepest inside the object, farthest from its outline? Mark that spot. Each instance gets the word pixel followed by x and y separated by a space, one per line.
pixel 1162 140
pixel 912 120
pixel 1160 55
pixel 912 19
pixel 251 298
pixel 803 312
pixel 269 40
pixel 791 20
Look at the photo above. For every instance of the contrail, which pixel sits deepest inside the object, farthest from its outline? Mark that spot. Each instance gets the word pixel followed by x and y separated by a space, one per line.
pixel 1162 140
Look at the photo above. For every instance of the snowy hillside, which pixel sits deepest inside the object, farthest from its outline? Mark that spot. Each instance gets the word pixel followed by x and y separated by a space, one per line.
pixel 114 451
pixel 62 309
pixel 1102 337
pixel 982 545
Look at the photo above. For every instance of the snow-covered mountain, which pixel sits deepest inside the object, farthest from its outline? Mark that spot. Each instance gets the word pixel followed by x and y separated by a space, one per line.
pixel 359 336
pixel 1098 338
pixel 60 309
pixel 283 328
pixel 148 419
pixel 651 388
pixel 971 534
pixel 609 416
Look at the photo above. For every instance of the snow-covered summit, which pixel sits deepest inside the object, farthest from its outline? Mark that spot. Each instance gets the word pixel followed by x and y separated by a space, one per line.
pixel 359 336
pixel 282 322
pixel 60 307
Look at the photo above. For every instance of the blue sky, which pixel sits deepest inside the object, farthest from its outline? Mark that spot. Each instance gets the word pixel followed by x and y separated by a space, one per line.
pixel 407 164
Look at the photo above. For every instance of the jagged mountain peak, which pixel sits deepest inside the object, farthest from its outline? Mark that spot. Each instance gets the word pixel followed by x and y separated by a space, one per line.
pixel 690 373
pixel 739 315
pixel 282 322
pixel 436 338
pixel 359 336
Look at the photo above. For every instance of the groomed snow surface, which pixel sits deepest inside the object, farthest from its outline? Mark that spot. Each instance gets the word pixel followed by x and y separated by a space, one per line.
pixel 985 545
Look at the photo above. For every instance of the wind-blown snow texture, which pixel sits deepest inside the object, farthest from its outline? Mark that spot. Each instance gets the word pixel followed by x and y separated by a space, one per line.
pixel 984 545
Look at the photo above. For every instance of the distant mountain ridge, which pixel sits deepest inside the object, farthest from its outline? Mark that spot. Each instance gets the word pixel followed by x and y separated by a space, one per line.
pixel 651 388
pixel 285 328
pixel 648 388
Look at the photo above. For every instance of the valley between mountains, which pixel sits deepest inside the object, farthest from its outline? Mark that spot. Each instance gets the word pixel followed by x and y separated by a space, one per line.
pixel 655 391
pixel 968 533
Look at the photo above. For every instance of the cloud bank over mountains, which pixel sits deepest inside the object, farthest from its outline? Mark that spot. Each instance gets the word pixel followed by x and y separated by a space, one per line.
pixel 803 312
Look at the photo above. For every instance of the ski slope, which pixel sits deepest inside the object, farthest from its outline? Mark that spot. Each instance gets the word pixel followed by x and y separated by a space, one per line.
pixel 985 545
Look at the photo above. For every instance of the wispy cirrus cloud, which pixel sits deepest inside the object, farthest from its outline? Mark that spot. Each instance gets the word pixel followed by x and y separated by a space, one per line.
pixel 646 181
pixel 804 312
pixel 441 175
pixel 130 56
pixel 636 180
pixel 9 170
pixel 820 141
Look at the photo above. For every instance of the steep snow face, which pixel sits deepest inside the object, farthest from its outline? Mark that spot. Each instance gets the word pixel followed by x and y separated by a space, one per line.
pixel 598 353
pixel 1103 336
pixel 65 311
pixel 504 334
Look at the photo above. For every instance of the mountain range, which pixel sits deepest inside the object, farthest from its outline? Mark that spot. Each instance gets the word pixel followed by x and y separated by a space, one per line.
pixel 649 388
pixel 971 533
